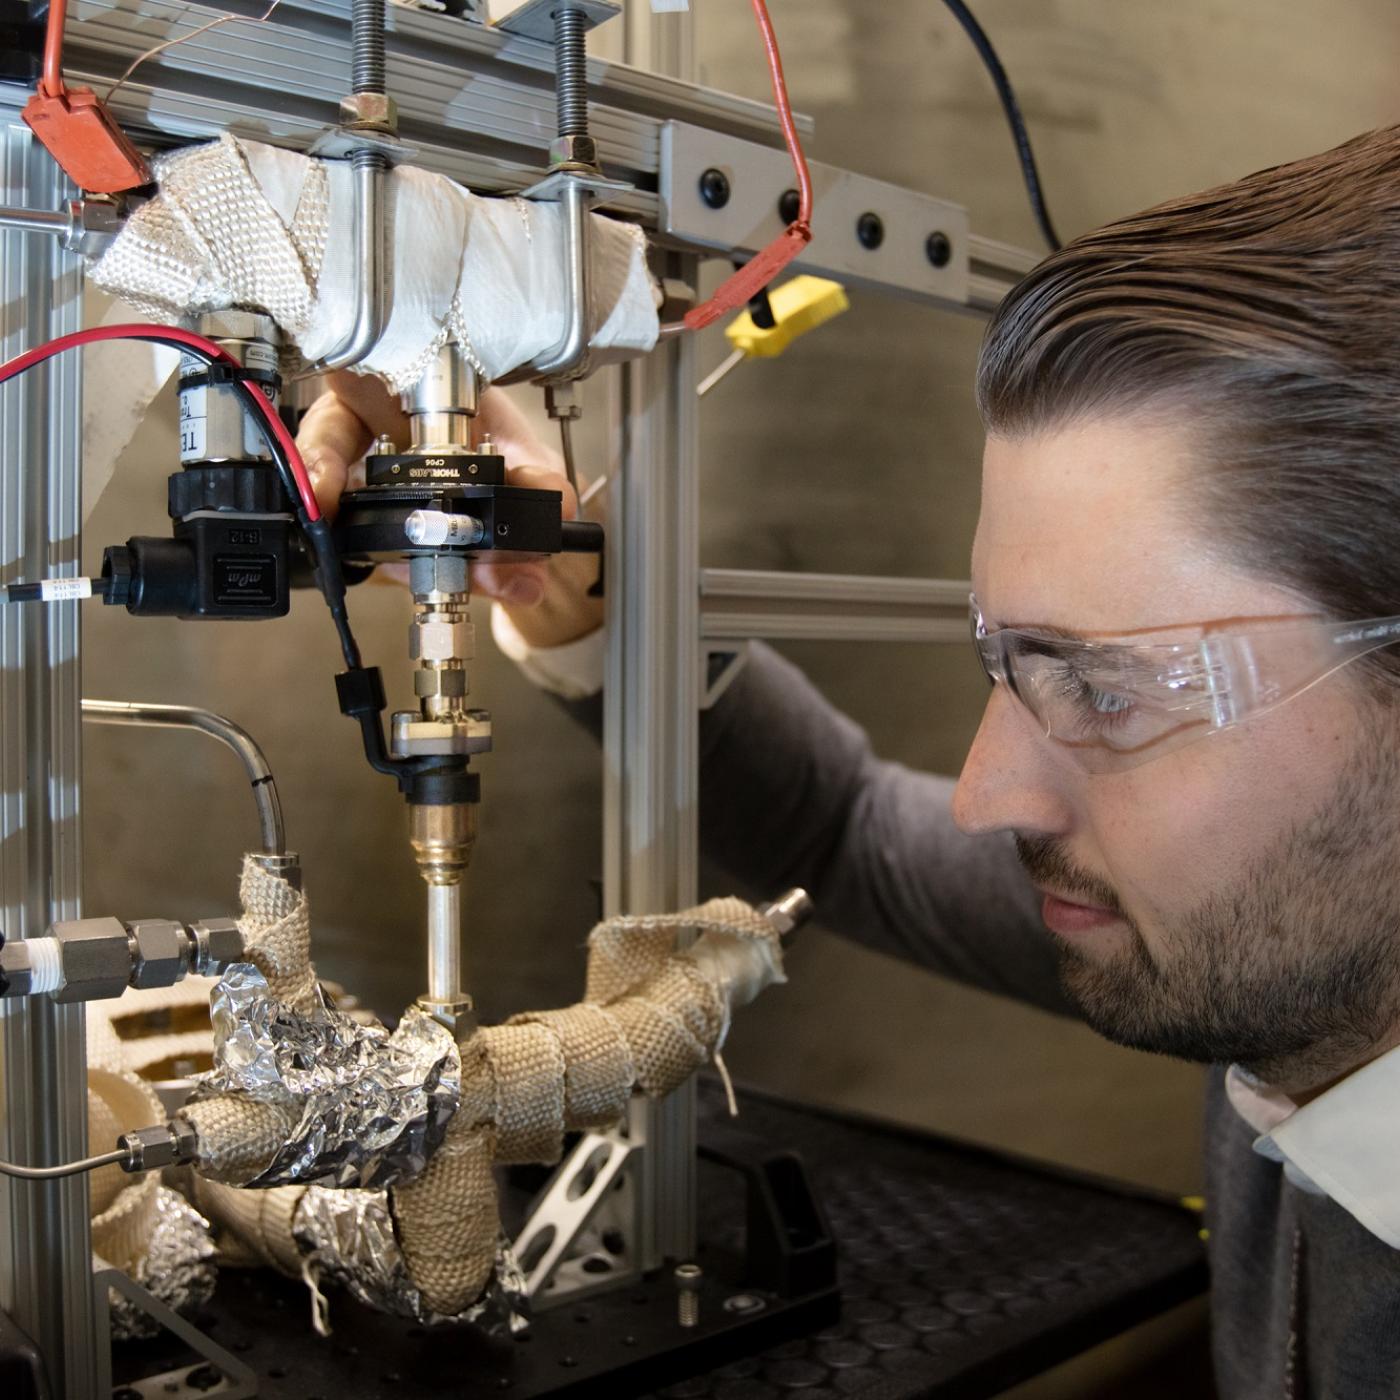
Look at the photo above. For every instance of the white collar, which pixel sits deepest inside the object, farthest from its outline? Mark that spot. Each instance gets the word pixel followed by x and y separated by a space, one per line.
pixel 1344 1144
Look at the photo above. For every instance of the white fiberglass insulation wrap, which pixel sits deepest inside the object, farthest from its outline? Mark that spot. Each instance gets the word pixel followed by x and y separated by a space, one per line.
pixel 239 224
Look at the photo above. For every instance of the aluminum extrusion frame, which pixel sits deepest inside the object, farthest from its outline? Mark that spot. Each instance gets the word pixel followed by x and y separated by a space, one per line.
pixel 45 1240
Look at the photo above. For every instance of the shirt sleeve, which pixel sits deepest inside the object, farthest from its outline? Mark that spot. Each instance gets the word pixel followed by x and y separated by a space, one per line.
pixel 573 671
pixel 792 794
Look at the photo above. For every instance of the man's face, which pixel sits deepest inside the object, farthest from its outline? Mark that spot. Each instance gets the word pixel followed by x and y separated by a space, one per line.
pixel 1236 898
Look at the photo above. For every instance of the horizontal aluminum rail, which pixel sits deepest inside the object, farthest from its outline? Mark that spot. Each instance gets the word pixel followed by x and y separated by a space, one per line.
pixel 744 604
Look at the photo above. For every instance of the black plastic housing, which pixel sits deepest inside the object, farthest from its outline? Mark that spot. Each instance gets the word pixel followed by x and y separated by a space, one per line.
pixel 220 565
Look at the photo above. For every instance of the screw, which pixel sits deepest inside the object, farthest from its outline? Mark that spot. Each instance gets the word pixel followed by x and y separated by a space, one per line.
pixel 870 231
pixel 688 1278
pixel 744 1303
pixel 382 446
pixel 939 248
pixel 714 188
pixel 789 205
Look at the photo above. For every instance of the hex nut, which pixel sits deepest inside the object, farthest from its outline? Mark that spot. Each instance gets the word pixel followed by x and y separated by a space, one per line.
pixel 459 1016
pixel 573 151
pixel 163 953
pixel 369 111
pixel 450 685
pixel 96 959
pixel 219 943
pixel 434 638
pixel 92 225
pixel 152 1148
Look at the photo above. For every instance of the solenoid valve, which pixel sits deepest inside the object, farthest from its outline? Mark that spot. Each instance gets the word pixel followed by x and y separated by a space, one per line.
pixel 95 959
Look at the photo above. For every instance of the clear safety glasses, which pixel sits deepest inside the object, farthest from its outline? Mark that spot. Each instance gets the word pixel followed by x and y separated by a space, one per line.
pixel 1113 704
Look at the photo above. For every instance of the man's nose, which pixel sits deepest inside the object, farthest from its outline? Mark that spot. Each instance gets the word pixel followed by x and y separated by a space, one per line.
pixel 1011 780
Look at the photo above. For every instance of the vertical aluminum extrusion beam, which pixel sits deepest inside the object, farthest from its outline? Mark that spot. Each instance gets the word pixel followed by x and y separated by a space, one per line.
pixel 651 729
pixel 45 1241
pixel 651 724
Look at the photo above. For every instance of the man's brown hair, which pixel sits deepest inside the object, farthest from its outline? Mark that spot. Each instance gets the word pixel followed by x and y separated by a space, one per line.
pixel 1267 313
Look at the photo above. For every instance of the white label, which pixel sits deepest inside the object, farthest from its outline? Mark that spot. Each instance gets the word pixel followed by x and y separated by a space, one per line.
pixel 63 590
pixel 194 421
pixel 663 7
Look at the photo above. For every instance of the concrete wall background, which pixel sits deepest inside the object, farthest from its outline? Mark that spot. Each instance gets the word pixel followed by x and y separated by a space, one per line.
pixel 857 452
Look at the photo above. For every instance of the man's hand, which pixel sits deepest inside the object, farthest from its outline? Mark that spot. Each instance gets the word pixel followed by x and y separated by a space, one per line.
pixel 547 599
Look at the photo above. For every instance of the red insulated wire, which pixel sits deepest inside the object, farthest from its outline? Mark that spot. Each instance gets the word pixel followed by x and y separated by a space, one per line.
pixel 174 336
pixel 51 84
pixel 767 263
pixel 785 119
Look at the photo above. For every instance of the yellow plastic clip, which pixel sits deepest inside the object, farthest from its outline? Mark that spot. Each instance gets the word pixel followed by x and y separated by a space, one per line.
pixel 799 305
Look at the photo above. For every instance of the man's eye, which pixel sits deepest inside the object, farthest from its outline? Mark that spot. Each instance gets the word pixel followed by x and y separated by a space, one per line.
pixel 1106 702
pixel 1091 706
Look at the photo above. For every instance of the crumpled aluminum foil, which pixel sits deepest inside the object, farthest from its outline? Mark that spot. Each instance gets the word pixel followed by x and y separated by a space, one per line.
pixel 178 1267
pixel 347 1237
pixel 368 1108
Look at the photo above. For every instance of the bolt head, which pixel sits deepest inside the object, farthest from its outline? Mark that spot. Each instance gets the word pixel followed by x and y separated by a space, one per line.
pixel 369 111
pixel 789 205
pixel 715 188
pixel 939 248
pixel 870 231
pixel 573 152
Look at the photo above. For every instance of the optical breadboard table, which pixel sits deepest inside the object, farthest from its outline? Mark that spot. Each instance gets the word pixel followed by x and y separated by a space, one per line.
pixel 961 1272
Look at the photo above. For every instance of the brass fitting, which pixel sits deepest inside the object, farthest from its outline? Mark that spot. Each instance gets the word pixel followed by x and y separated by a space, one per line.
pixel 442 838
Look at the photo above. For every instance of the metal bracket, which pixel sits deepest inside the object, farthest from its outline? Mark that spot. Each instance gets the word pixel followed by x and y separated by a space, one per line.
pixel 603 190
pixel 238 1382
pixel 535 18
pixel 580 1191
pixel 720 664
pixel 922 248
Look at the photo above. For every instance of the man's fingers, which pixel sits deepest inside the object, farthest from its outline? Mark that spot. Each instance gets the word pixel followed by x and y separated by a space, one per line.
pixel 520 585
pixel 330 438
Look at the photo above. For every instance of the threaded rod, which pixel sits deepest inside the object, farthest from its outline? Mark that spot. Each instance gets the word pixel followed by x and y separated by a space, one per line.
pixel 571 71
pixel 368 73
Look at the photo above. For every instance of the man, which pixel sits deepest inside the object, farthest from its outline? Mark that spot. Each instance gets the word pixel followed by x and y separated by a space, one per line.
pixel 1186 589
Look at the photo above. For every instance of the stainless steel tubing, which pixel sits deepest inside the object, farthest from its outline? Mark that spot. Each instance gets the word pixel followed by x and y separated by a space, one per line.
pixel 374 269
pixel 34 220
pixel 568 359
pixel 233 736
pixel 444 942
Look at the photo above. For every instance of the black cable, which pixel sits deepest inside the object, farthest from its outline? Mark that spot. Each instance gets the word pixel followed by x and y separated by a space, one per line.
pixel 1012 108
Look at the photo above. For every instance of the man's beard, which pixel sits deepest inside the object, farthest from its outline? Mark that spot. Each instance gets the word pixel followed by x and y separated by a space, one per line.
pixel 1294 973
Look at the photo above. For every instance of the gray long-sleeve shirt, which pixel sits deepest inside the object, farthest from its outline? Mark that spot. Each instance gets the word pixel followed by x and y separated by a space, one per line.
pixel 1305 1301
